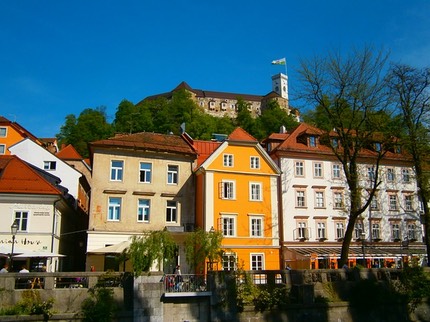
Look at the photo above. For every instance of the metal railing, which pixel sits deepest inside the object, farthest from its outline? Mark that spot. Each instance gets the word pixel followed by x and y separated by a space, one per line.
pixel 184 283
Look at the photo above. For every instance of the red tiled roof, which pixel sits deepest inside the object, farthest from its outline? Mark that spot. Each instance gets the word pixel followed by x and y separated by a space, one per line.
pixel 16 176
pixel 205 149
pixel 147 141
pixel 240 134
pixel 69 153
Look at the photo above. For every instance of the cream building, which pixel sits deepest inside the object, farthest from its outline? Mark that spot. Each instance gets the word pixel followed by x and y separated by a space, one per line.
pixel 140 182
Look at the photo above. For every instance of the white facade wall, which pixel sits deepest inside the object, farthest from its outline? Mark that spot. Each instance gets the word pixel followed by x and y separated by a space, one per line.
pixel 36 155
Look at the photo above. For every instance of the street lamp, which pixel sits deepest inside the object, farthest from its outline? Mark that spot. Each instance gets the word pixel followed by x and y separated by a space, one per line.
pixel 363 239
pixel 13 231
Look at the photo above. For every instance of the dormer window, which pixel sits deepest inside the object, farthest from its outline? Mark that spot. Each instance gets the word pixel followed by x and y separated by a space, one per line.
pixel 312 141
pixel 335 142
pixel 378 147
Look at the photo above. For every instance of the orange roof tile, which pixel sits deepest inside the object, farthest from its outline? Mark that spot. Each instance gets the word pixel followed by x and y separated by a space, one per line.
pixel 69 153
pixel 240 134
pixel 16 176
pixel 147 141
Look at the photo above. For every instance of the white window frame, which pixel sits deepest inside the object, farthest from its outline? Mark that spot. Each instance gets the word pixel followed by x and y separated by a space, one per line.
pixel 409 202
pixel 338 202
pixel 340 230
pixel 2 149
pixel 171 211
pixel 313 141
pixel 229 261
pixel 321 230
pixel 374 203
pixel 22 218
pixel 145 172
pixel 319 199
pixel 335 171
pixel 299 168
pixel 376 231
pixel 143 210
pixel 114 209
pixel 371 173
pixel 116 171
pixel 3 134
pixel 256 261
pixel 395 230
pixel 392 202
pixel 406 177
pixel 301 198
pixel 391 174
pixel 49 165
pixel 302 230
pixel 358 229
pixel 228 225
pixel 318 170
pixel 172 174
pixel 412 234
pixel 228 160
pixel 255 162
pixel 256 228
pixel 228 190
pixel 255 191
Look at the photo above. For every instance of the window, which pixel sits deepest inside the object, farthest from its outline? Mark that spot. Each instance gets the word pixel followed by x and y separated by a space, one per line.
pixel 340 230
pixel 375 231
pixel 145 172
pixel 228 160
pixel 336 171
pixel 2 149
pixel 358 230
pixel 257 261
pixel 392 202
pixel 335 143
pixel 300 168
pixel 318 172
pixel 395 231
pixel 319 199
pixel 49 165
pixel 171 211
pixel 411 232
pixel 255 191
pixel 143 210
pixel 255 163
pixel 228 190
pixel 114 213
pixel 391 176
pixel 378 147
pixel 3 132
pixel 371 173
pixel 256 227
pixel 229 261
pixel 228 226
pixel 21 218
pixel 172 174
pixel 116 169
pixel 338 200
pixel 374 204
pixel 321 230
pixel 405 175
pixel 312 141
pixel 408 203
pixel 302 230
pixel 300 198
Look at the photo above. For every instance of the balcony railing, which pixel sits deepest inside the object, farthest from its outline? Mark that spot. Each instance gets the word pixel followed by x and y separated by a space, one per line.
pixel 184 283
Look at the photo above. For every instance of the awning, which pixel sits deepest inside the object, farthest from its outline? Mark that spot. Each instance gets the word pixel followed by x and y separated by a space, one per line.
pixel 37 254
pixel 357 252
pixel 112 249
pixel 5 250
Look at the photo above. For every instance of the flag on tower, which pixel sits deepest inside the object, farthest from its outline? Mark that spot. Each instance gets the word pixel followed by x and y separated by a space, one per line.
pixel 281 61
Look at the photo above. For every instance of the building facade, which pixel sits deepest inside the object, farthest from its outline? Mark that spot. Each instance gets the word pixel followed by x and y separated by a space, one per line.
pixel 315 205
pixel 236 185
pixel 140 182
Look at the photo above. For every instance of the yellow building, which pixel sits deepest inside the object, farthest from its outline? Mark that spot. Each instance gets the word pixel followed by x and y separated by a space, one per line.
pixel 236 193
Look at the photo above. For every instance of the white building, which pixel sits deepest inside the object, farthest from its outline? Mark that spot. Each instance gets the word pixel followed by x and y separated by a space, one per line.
pixel 315 205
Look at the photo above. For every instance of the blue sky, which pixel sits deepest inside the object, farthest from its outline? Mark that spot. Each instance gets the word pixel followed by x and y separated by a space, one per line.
pixel 59 57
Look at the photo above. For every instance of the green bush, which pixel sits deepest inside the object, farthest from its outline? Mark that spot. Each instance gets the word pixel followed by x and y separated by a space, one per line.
pixel 100 306
pixel 31 304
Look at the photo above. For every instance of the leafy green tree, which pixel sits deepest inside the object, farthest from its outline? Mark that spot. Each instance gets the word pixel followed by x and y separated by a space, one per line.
pixel 244 118
pixel 91 125
pixel 350 92
pixel 152 247
pixel 130 118
pixel 200 246
pixel 271 120
pixel 410 89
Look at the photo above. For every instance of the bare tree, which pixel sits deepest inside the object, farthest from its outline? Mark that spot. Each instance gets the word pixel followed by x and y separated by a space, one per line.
pixel 410 89
pixel 350 95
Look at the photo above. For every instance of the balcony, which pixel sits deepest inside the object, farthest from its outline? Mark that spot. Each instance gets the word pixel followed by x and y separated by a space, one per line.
pixel 185 285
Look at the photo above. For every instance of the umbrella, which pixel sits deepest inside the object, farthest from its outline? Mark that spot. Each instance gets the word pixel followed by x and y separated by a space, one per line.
pixel 112 249
pixel 37 254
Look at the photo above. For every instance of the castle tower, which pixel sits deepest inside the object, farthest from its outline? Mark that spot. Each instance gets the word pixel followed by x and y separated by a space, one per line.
pixel 280 85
